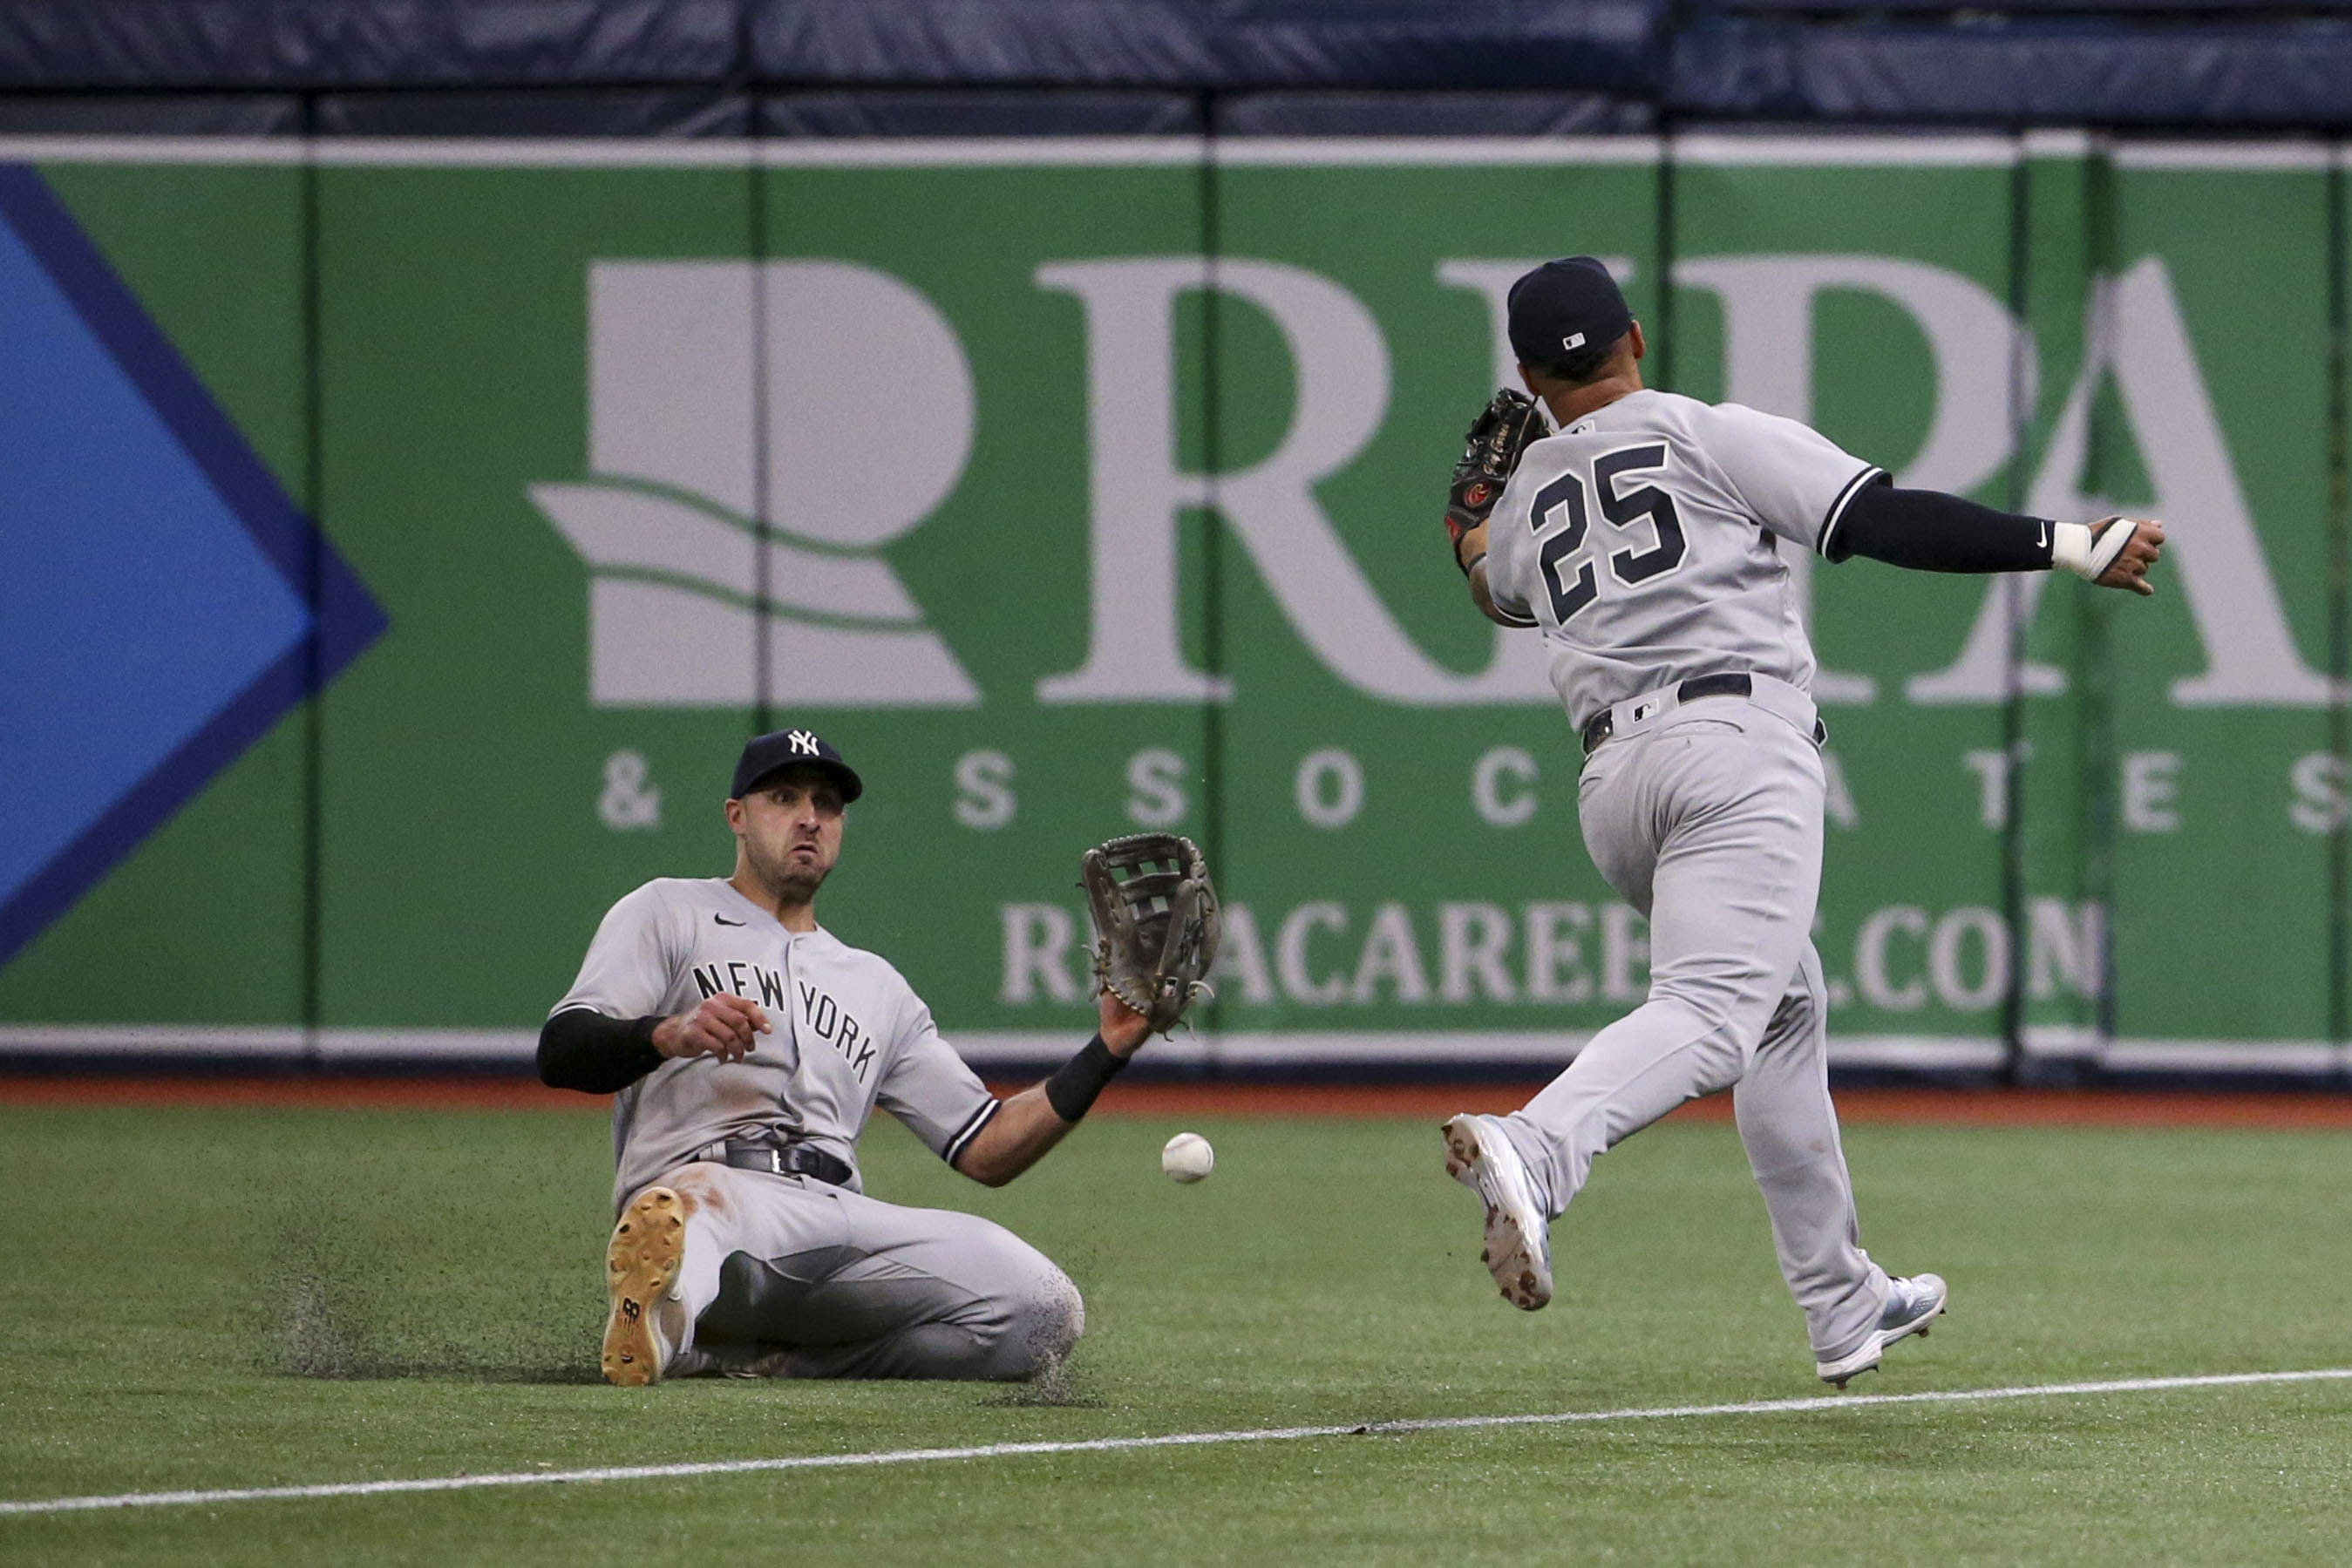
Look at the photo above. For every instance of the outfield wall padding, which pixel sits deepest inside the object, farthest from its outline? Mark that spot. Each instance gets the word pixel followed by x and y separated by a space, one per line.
pixel 2023 62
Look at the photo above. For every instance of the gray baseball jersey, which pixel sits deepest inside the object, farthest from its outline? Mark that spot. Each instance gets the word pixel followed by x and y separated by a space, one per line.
pixel 1643 540
pixel 847 1033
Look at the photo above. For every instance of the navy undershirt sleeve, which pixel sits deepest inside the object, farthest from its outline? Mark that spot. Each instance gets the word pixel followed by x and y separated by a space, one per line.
pixel 1928 530
pixel 583 1049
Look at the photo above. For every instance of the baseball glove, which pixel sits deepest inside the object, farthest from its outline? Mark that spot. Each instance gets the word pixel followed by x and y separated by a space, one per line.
pixel 1490 452
pixel 1155 921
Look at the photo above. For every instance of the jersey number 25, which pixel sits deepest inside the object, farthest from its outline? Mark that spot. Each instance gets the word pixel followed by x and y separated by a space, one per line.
pixel 1564 525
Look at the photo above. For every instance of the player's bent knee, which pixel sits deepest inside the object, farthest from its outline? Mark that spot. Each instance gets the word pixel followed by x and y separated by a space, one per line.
pixel 1042 1325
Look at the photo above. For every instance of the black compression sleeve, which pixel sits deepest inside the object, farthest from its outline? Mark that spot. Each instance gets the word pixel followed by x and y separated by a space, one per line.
pixel 1930 531
pixel 586 1050
pixel 1072 1089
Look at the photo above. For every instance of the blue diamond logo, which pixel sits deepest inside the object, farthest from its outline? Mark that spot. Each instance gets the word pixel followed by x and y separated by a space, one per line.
pixel 123 485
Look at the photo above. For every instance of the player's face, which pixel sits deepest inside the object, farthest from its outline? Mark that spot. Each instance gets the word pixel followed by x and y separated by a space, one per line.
pixel 790 831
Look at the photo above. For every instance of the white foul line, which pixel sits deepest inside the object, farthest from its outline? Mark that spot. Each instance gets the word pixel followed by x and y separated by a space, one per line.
pixel 1168 1440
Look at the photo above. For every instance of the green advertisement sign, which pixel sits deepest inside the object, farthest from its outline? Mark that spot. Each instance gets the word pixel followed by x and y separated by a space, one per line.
pixel 1071 488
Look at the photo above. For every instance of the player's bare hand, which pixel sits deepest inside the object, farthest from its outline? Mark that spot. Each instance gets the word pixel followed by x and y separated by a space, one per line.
pixel 2130 569
pixel 725 1026
pixel 1122 1028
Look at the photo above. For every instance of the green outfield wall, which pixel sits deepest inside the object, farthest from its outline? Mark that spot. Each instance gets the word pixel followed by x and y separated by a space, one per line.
pixel 1074 487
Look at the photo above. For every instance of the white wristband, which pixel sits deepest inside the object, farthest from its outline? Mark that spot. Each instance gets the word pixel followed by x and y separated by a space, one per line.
pixel 2088 550
pixel 2070 546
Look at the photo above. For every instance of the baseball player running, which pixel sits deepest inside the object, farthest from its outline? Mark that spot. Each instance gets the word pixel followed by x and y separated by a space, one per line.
pixel 1642 539
pixel 746 1046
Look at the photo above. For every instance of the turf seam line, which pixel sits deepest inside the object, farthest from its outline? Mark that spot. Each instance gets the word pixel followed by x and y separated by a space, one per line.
pixel 1163 1440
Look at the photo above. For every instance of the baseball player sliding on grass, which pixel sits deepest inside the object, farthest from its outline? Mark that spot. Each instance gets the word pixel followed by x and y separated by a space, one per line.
pixel 746 1046
pixel 1643 539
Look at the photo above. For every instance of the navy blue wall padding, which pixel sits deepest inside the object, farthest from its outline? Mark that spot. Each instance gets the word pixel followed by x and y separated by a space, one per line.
pixel 553 111
pixel 1018 41
pixel 1980 15
pixel 1003 111
pixel 1612 45
pixel 1489 66
pixel 321 44
pixel 2072 73
pixel 1429 114
pixel 133 114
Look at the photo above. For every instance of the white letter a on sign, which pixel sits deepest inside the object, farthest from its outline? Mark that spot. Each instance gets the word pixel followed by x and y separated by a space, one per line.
pixel 2211 547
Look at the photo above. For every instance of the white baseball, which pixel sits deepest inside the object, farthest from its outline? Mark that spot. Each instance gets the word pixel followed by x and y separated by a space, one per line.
pixel 1188 1157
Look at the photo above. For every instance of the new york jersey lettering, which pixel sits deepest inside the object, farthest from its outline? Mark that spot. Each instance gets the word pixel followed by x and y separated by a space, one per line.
pixel 830 1022
pixel 748 981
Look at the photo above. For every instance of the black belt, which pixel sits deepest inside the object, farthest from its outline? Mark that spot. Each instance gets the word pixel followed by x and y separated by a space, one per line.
pixel 1598 727
pixel 789 1159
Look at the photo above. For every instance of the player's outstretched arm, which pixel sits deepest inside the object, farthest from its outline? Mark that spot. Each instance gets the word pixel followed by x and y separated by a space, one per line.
pixel 1034 1120
pixel 1928 530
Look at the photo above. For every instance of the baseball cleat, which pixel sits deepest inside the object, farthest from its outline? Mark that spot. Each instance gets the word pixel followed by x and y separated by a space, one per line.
pixel 641 1266
pixel 1519 1235
pixel 1911 1305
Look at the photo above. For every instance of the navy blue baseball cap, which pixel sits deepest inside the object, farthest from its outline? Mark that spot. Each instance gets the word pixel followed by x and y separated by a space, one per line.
pixel 1563 307
pixel 766 754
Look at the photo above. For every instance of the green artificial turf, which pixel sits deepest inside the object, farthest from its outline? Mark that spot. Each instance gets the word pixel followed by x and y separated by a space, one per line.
pixel 205 1299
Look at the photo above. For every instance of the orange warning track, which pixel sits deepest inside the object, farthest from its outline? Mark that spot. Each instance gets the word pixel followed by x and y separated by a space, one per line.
pixel 1957 1107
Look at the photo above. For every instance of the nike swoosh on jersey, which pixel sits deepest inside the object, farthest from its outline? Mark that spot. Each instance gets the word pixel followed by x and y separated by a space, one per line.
pixel 724 921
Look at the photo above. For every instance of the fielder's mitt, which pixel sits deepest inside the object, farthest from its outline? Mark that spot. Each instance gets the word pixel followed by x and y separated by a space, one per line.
pixel 1155 922
pixel 1489 454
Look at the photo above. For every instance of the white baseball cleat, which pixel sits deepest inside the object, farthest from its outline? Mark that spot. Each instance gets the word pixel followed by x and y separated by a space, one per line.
pixel 1911 1305
pixel 641 1266
pixel 1518 1236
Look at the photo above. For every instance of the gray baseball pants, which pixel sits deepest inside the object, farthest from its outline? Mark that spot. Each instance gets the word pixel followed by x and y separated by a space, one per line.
pixel 787 1277
pixel 1707 819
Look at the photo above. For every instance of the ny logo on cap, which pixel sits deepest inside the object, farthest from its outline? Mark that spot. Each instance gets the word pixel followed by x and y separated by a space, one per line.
pixel 1573 342
pixel 801 742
